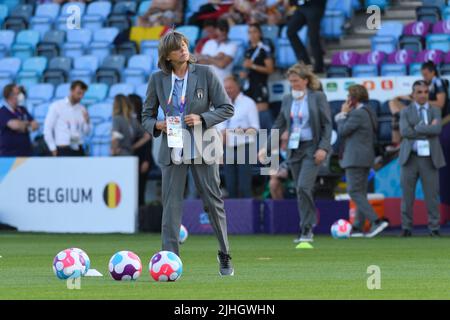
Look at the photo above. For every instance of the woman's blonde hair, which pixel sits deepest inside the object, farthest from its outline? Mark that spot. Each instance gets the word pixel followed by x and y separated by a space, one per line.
pixel 305 72
pixel 171 41
pixel 122 106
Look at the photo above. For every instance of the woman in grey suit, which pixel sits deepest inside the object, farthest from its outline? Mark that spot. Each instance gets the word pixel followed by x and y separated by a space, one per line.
pixel 305 113
pixel 193 101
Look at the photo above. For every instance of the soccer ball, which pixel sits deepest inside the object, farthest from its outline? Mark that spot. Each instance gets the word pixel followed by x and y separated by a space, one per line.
pixel 85 261
pixel 341 229
pixel 183 234
pixel 125 265
pixel 68 264
pixel 165 266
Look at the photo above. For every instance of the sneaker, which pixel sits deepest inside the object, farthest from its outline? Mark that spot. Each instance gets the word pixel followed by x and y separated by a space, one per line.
pixel 307 235
pixel 435 234
pixel 406 233
pixel 297 240
pixel 393 148
pixel 356 233
pixel 225 266
pixel 376 228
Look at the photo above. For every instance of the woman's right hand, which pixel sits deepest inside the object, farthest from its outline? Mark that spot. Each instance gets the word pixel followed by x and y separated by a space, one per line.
pixel 161 126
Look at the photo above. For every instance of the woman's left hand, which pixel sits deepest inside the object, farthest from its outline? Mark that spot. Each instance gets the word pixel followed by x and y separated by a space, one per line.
pixel 247 63
pixel 192 119
pixel 320 156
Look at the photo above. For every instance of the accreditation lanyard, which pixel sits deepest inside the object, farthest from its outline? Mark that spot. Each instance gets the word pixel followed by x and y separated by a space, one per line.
pixel 183 93
pixel 296 114
pixel 256 52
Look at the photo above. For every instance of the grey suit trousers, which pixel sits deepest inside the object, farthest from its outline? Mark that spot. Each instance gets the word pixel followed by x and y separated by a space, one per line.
pixel 420 167
pixel 304 172
pixel 357 185
pixel 207 180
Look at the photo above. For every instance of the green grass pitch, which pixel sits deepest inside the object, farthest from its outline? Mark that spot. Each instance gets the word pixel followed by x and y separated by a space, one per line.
pixel 267 267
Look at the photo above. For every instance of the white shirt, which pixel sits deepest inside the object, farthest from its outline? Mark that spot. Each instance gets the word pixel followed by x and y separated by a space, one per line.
pixel 245 115
pixel 212 48
pixel 65 125
pixel 426 106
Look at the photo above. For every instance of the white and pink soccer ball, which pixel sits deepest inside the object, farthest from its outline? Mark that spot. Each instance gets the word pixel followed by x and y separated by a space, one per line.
pixel 85 261
pixel 183 234
pixel 69 264
pixel 341 229
pixel 165 266
pixel 125 265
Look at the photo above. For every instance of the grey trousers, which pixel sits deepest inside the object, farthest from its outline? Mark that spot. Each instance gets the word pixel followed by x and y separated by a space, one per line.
pixel 304 172
pixel 420 167
pixel 357 185
pixel 207 180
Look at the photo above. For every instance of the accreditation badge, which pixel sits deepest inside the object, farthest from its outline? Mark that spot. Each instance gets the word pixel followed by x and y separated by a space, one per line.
pixel 174 132
pixel 423 148
pixel 294 138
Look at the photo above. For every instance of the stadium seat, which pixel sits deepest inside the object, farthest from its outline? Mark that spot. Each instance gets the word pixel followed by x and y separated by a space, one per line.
pixel 100 143
pixel 332 24
pixel 192 33
pixel 284 53
pixel 437 56
pixel 58 70
pixel 345 58
pixel 414 69
pixel 96 14
pixel 141 90
pixel 387 44
pixel 9 67
pixel 111 70
pixel 6 41
pixel 364 70
pixel 372 57
pixel 120 88
pixel 100 112
pixel 24 11
pixel 62 91
pixel 66 11
pixel 119 21
pixel 375 105
pixel 15 24
pixel 51 44
pixel 150 49
pixel 139 67
pixel 102 42
pixel 96 93
pixel 32 70
pixel 10 4
pixel 429 14
pixel 3 13
pixel 125 8
pixel 25 44
pixel 270 32
pixel 384 131
pixel 338 72
pixel 84 68
pixel 44 17
pixel 438 42
pixel 446 13
pixel 437 3
pixel 40 93
pixel 384 110
pixel 418 28
pixel 413 43
pixel 127 49
pixel 40 112
pixel 382 4
pixel 393 70
pixel 143 7
pixel 391 28
pixel 402 57
pixel 445 69
pixel 78 41
pixel 239 32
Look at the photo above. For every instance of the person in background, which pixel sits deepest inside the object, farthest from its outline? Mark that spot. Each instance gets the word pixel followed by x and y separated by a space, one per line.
pixel 219 52
pixel 421 157
pixel 67 123
pixel 245 124
pixel 279 178
pixel 259 65
pixel 144 152
pixel 310 13
pixel 357 127
pixel 438 98
pixel 162 13
pixel 128 134
pixel 208 32
pixel 15 125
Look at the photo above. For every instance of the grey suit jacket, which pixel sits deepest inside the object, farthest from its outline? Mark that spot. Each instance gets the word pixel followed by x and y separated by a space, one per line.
pixel 319 117
pixel 205 96
pixel 356 131
pixel 412 128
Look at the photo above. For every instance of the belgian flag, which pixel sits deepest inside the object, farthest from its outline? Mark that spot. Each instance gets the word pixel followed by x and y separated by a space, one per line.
pixel 111 195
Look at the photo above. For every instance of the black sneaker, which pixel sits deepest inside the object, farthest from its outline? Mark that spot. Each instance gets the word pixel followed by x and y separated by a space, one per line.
pixel 307 235
pixel 356 233
pixel 225 266
pixel 297 240
pixel 376 228
pixel 435 234
pixel 406 233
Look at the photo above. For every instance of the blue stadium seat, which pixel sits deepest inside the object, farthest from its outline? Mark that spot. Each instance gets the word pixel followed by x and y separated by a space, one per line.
pixel 239 32
pixel 385 131
pixel 26 42
pixel 24 11
pixel 125 8
pixel 96 15
pixel 44 17
pixel 341 5
pixel 11 4
pixel 139 68
pixel 270 32
pixel 32 70
pixel 143 7
pixel 383 4
pixel 438 42
pixel 150 48
pixel 6 41
pixel 100 112
pixel 40 112
pixel 446 13
pixel 96 92
pixel 386 44
pixel 58 70
pixel 365 70
pixel 40 93
pixel 414 69
pixel 9 67
pixel 120 88
pixel 141 90
pixel 100 143
pixel 384 110
pixel 101 45
pixel 391 28
pixel 438 3
pixel 84 68
pixel 284 53
pixel 62 91
pixel 111 69
pixel 3 13
pixel 51 44
pixel 77 42
pixel 392 70
pixel 190 32
pixel 66 11
pixel 332 24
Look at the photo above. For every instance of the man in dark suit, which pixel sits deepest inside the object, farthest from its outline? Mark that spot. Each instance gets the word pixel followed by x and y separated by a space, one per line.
pixel 309 12
pixel 420 157
pixel 357 127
